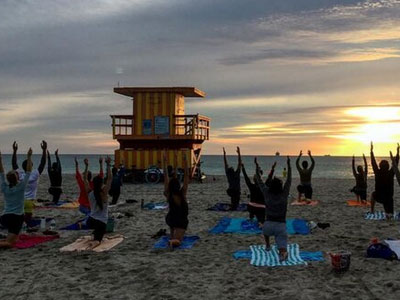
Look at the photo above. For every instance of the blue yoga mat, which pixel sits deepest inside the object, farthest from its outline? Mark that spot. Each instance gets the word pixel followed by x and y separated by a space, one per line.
pixel 80 225
pixel 187 243
pixel 305 255
pixel 245 226
pixel 227 207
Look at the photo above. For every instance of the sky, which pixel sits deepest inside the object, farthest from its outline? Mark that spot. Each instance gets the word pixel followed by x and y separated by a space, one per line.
pixel 280 75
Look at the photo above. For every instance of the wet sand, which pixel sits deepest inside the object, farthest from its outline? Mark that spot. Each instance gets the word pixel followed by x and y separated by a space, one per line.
pixel 133 270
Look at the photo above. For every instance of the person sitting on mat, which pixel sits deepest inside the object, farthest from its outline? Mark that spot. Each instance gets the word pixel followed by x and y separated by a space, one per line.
pixel 177 216
pixel 233 177
pixel 305 172
pixel 276 199
pixel 361 176
pixel 116 183
pixel 98 199
pixel 55 176
pixel 14 191
pixel 84 205
pixel 384 186
pixel 33 181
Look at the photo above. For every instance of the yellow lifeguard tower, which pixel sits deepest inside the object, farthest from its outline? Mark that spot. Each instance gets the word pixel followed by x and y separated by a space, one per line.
pixel 158 125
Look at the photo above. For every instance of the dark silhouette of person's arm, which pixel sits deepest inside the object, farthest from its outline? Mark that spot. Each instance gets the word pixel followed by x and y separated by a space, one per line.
pixel 298 162
pixel 42 164
pixel 246 178
pixel 286 187
pixel 14 156
pixel 59 170
pixel 48 162
pixel 225 160
pixel 395 167
pixel 353 167
pixel 312 161
pixel 239 160
pixel 270 175
pixel 365 167
pixel 373 160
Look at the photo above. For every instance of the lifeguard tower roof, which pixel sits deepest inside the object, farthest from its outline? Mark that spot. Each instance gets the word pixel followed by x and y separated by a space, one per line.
pixel 184 91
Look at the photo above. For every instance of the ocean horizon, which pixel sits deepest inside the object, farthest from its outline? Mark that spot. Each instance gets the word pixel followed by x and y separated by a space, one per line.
pixel 326 166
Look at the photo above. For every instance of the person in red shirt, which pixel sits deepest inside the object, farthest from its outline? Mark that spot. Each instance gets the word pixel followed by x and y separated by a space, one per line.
pixel 84 206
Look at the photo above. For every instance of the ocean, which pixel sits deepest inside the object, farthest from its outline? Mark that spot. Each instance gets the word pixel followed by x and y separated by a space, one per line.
pixel 326 166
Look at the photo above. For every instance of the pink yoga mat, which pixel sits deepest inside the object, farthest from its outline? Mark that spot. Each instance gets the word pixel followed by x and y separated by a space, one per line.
pixel 27 241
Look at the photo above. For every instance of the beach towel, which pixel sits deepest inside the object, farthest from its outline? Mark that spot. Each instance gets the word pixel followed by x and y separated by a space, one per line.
pixel 59 205
pixel 156 206
pixel 261 258
pixel 305 255
pixel 355 203
pixel 28 241
pixel 394 245
pixel 379 215
pixel 187 243
pixel 83 244
pixel 227 207
pixel 304 203
pixel 246 226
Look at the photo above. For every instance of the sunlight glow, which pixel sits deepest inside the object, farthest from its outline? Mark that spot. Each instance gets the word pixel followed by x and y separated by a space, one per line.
pixel 375 113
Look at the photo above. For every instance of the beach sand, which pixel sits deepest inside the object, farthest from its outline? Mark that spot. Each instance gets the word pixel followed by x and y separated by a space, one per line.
pixel 132 270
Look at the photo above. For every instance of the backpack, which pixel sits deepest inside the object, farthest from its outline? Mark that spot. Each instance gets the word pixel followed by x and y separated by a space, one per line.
pixel 380 250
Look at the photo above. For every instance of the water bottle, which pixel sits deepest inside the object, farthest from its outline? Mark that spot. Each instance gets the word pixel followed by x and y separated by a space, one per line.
pixel 52 225
pixel 43 224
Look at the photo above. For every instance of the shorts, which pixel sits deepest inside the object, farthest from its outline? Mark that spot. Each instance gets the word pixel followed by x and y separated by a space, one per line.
pixel 99 228
pixel 360 192
pixel 259 212
pixel 176 221
pixel 386 200
pixel 305 189
pixel 29 206
pixel 277 230
pixel 12 222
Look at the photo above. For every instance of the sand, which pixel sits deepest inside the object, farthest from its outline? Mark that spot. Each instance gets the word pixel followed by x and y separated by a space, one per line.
pixel 132 270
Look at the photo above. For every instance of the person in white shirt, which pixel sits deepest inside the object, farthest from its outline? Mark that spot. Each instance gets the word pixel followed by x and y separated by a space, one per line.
pixel 33 181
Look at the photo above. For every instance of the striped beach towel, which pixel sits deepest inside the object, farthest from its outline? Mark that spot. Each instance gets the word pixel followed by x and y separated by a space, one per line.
pixel 261 258
pixel 379 215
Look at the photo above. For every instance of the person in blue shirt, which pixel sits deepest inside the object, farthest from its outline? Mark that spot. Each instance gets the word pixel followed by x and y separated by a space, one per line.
pixel 13 214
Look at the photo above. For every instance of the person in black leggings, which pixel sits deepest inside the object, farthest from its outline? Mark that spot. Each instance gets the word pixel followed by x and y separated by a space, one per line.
pixel 384 186
pixel 55 176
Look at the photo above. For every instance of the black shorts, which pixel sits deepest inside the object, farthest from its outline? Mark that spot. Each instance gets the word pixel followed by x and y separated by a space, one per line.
pixel 99 228
pixel 306 190
pixel 360 192
pixel 12 222
pixel 177 221
pixel 259 212
pixel 386 200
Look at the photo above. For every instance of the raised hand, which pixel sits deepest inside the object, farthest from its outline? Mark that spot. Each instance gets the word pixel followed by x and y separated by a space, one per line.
pixel 100 160
pixel 274 165
pixel 355 157
pixel 223 149
pixel 86 162
pixel 30 152
pixel 393 158
pixel 56 152
pixel 43 145
pixel 15 146
pixel 255 160
pixel 238 150
pixel 372 146
pixel 309 152
pixel 301 153
pixel 288 160
pixel 76 162
pixel 108 160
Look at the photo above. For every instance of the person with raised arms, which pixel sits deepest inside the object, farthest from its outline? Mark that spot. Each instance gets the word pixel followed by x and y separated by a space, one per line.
pixel 33 181
pixel 384 185
pixel 84 205
pixel 177 216
pixel 361 176
pixel 14 194
pixel 98 199
pixel 233 177
pixel 276 199
pixel 55 175
pixel 305 172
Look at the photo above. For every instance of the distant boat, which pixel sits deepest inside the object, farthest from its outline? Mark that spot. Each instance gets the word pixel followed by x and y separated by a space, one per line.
pixel 327 155
pixel 277 154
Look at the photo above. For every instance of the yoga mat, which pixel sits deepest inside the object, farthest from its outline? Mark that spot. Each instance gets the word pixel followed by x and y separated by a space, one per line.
pixel 28 241
pixel 245 226
pixel 79 225
pixel 305 255
pixel 187 243
pixel 379 215
pixel 227 207
pixel 156 206
pixel 83 244
pixel 36 222
pixel 304 203
pixel 59 205
pixel 355 203
pixel 261 258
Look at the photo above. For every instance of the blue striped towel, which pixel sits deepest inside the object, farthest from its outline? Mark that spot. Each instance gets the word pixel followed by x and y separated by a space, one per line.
pixel 261 258
pixel 379 215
